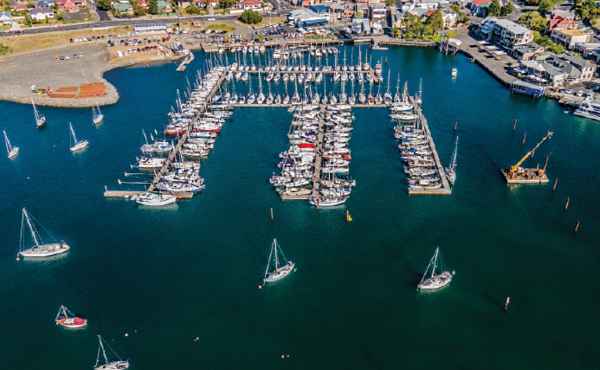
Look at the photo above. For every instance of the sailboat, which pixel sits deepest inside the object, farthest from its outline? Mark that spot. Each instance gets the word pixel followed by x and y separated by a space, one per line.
pixel 281 267
pixel 77 145
pixel 39 248
pixel 432 281
pixel 11 151
pixel 451 170
pixel 97 116
pixel 68 320
pixel 40 119
pixel 102 361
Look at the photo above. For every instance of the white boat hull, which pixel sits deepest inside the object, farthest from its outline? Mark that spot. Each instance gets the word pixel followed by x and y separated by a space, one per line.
pixel 115 365
pixel 80 146
pixel 45 250
pixel 13 153
pixel 436 282
pixel 280 273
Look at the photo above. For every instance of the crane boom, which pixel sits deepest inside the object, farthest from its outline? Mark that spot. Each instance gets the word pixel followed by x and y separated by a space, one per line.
pixel 516 166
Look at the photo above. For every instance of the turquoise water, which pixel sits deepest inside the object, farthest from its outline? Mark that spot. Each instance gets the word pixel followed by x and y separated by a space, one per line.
pixel 166 277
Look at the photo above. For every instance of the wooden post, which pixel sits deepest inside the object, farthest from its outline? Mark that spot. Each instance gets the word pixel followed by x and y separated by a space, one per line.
pixel 577 226
pixel 555 186
pixel 567 203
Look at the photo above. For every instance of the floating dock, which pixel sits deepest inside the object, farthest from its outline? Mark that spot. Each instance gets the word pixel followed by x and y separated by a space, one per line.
pixel 445 189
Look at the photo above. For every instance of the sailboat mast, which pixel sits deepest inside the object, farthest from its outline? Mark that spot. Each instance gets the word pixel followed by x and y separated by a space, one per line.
pixel 34 235
pixel 7 142
pixel 269 260
pixel 72 133
pixel 101 349
pixel 434 264
pixel 454 155
pixel 276 247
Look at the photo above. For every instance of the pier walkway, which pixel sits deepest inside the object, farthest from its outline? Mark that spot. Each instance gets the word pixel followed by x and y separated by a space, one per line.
pixel 445 189
pixel 316 179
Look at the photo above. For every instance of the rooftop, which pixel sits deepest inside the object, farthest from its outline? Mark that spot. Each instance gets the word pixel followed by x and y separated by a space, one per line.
pixel 508 25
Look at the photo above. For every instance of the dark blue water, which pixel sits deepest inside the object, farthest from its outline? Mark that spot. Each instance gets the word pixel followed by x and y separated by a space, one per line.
pixel 166 277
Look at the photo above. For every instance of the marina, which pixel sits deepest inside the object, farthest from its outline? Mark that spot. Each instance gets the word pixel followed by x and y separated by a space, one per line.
pixel 190 275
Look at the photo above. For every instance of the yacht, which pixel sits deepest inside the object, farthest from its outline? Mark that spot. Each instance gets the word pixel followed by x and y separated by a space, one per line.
pixel 155 199
pixel 39 249
pixel 588 109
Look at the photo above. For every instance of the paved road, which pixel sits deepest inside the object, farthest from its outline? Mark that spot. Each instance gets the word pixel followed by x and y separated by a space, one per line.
pixel 116 22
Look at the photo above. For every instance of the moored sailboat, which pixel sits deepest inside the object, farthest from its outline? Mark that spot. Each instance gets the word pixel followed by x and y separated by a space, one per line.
pixel 451 170
pixel 40 119
pixel 150 199
pixel 432 281
pixel 39 249
pixel 97 116
pixel 278 267
pixel 11 151
pixel 103 362
pixel 68 320
pixel 76 145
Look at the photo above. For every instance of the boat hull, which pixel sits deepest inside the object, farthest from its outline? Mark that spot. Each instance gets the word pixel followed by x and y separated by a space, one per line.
pixel 45 251
pixel 115 365
pixel 280 273
pixel 72 323
pixel 436 283
pixel 80 146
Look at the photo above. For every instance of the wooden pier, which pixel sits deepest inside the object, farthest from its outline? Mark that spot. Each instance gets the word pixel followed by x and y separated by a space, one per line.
pixel 183 138
pixel 316 179
pixel 445 189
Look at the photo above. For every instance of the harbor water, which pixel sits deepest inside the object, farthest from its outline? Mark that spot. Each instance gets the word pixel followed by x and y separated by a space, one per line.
pixel 177 288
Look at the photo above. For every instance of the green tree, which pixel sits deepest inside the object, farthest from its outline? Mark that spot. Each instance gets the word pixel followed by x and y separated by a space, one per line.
pixel 435 21
pixel 546 6
pixel 153 7
pixel 494 8
pixel 4 49
pixel 103 4
pixel 138 11
pixel 507 9
pixel 534 21
pixel 586 9
pixel 193 9
pixel 390 2
pixel 546 42
pixel 226 4
pixel 396 32
pixel 28 20
pixel 250 17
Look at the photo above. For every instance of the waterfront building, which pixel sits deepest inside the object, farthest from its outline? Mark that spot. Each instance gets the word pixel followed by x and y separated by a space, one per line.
pixel 569 37
pixel 305 18
pixel 377 12
pixel 505 33
pixel 527 51
pixel 479 7
pixel 558 70
pixel 122 8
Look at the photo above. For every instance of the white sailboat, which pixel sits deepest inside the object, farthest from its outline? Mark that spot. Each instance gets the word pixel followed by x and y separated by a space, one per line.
pixel 97 116
pixel 150 199
pixel 451 170
pixel 102 361
pixel 278 267
pixel 40 119
pixel 11 151
pixel 39 249
pixel 76 145
pixel 432 281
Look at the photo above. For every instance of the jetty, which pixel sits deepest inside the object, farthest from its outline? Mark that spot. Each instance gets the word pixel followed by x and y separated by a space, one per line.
pixel 445 189
pixel 186 60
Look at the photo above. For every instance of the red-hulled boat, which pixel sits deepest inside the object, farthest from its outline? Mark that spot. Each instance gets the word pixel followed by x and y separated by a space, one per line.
pixel 68 320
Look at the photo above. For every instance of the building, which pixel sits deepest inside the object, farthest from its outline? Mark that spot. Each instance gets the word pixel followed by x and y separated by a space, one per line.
pixel 569 37
pixel 559 70
pixel 360 26
pixel 306 18
pixel 377 12
pixel 122 8
pixel 251 4
pixel 527 52
pixel 479 7
pixel 450 18
pixel 5 18
pixel 41 14
pixel 505 33
pixel 149 28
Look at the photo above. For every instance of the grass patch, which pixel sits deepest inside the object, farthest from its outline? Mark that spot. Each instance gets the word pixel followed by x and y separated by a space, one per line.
pixel 4 50
pixel 221 27
pixel 27 43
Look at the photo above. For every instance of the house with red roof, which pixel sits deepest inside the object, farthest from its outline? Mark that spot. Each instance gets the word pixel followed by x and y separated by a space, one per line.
pixel 251 4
